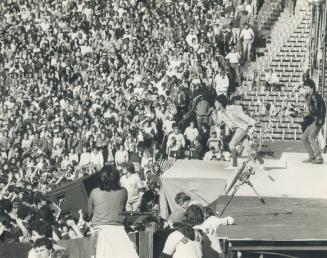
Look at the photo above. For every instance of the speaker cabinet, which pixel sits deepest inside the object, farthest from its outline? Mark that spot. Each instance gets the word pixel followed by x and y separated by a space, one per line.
pixel 74 195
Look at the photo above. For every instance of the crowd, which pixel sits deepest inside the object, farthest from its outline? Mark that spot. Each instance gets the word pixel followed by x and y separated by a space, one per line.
pixel 88 83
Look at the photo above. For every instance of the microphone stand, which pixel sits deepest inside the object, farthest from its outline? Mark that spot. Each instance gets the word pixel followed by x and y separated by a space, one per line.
pixel 243 176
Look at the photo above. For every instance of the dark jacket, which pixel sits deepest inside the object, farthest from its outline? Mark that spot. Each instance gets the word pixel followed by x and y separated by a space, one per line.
pixel 316 108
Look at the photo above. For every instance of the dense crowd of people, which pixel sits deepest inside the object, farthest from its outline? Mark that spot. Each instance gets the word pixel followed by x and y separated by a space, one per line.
pixel 88 83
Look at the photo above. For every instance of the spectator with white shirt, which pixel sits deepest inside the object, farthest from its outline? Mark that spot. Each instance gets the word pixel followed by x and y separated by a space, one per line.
pixel 134 186
pixel 221 83
pixel 175 143
pixel 271 81
pixel 234 59
pixel 121 156
pixel 247 37
pixel 84 75
pixel 191 133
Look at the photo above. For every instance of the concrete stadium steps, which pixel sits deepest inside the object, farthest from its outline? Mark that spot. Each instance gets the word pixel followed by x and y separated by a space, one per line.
pixel 284 37
pixel 268 15
pixel 286 54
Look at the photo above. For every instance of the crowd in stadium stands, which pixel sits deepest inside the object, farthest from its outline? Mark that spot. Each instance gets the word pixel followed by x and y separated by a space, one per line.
pixel 86 83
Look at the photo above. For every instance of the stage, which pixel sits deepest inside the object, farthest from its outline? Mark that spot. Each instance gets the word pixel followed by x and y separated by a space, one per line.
pixel 288 226
pixel 288 177
pixel 204 181
pixel 292 223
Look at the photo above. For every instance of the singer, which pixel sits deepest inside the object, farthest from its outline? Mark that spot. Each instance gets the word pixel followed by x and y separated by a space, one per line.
pixel 236 121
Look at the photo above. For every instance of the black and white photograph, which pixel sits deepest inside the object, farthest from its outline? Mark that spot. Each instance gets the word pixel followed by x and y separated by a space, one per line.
pixel 163 129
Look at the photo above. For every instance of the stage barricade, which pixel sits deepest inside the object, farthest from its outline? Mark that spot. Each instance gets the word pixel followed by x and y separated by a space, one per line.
pixel 80 248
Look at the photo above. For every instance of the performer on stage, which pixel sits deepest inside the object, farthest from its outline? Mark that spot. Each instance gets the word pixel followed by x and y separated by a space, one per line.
pixel 236 121
pixel 106 204
pixel 313 122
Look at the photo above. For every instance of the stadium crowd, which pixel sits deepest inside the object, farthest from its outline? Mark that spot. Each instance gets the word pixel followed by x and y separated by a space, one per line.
pixel 88 83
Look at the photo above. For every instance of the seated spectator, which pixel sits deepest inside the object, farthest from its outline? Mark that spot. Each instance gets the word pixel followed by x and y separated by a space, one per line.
pixel 271 81
pixel 214 142
pixel 255 81
pixel 212 154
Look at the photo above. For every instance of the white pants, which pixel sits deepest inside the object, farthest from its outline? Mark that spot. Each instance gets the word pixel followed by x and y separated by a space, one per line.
pixel 113 242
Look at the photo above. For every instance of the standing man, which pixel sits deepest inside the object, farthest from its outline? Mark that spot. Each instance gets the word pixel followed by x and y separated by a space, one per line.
pixel 175 143
pixel 313 122
pixel 292 4
pixel 247 37
pixel 234 62
pixel 221 83
pixel 201 111
pixel 236 121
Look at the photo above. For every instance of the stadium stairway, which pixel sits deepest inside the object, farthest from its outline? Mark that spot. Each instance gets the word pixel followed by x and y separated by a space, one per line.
pixel 267 16
pixel 285 53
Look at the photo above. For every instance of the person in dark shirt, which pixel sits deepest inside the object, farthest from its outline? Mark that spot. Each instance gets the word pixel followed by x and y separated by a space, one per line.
pixel 313 122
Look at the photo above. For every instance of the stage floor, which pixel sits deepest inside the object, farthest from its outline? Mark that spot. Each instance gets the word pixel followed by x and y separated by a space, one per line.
pixel 280 219
pixel 292 178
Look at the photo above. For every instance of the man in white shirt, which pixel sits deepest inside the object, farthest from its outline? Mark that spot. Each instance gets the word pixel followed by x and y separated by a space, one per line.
pixel 133 184
pixel 175 143
pixel 97 159
pixel 234 58
pixel 247 35
pixel 221 83
pixel 190 37
pixel 191 132
pixel 121 156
